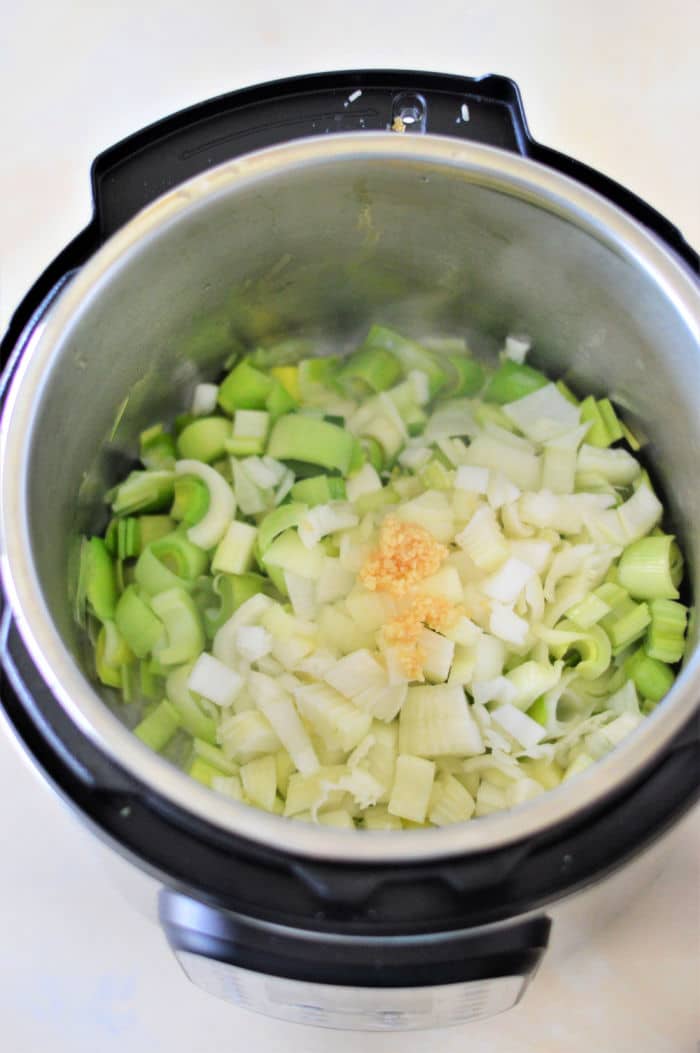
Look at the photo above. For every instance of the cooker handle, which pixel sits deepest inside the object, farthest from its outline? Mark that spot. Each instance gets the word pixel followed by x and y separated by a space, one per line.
pixel 486 110
pixel 398 982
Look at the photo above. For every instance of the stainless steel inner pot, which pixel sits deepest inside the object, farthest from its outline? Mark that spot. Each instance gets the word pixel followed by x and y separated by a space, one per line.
pixel 319 238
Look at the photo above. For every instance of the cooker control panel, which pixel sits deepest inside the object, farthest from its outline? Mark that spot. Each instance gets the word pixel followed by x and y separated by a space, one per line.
pixel 353 1008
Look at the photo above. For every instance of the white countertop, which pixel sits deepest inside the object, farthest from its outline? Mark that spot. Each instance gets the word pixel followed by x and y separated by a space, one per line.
pixel 614 84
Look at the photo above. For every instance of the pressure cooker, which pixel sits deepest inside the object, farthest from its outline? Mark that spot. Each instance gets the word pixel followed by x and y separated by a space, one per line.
pixel 313 207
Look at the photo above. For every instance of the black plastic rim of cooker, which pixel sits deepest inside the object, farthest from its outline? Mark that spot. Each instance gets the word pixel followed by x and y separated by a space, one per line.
pixel 246 903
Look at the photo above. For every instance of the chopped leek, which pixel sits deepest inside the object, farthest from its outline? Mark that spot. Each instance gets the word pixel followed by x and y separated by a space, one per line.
pixel 388 590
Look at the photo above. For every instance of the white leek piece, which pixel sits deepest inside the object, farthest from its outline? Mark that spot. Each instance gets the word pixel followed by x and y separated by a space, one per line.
pixel 214 680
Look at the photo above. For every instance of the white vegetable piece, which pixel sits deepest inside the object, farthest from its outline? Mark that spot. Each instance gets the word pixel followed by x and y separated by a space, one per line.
pixel 520 464
pixel 326 519
pixel 259 778
pixel 436 720
pixel 501 491
pixel 536 552
pixel 383 704
pixel 339 723
pixel 234 553
pixel 334 581
pixel 483 539
pixel 249 612
pixel 522 728
pixel 414 457
pixel 616 465
pixel 453 418
pixel 366 481
pixel 302 594
pixel 253 424
pixel 250 498
pixel 543 414
pixel 214 680
pixel 282 715
pixel 244 736
pixel 508 626
pixel 317 663
pixel 260 472
pixel 475 480
pixel 204 399
pixel 508 581
pixel 253 642
pixel 222 505
pixel 445 582
pixel 489 657
pixel 532 679
pixel 499 689
pixel 421 386
pixel 366 608
pixel 439 653
pixel 430 510
pixel 413 784
pixel 357 672
pixel 450 801
pixel 463 632
pixel 517 347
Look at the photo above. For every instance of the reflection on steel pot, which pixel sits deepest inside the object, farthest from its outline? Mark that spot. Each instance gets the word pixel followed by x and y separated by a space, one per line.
pixel 317 238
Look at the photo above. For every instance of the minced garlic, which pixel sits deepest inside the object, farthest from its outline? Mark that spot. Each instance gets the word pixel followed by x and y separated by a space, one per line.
pixel 407 553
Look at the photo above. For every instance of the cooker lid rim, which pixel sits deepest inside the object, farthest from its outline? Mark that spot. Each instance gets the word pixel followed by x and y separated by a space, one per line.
pixel 73 691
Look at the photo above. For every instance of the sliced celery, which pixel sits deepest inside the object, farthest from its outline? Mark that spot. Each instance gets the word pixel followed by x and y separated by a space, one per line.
pixel 652 568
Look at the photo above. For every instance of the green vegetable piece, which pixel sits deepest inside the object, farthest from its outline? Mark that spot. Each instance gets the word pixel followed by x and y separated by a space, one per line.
pixel 191 499
pixel 277 521
pixel 157 447
pixel 652 678
pixel 299 438
pixel 369 370
pixel 214 756
pixel 182 421
pixel 566 391
pixel 137 623
pixel 666 636
pixel 169 562
pixel 279 400
pixel 319 490
pixel 358 457
pixel 150 684
pixel 512 381
pixel 204 439
pixel 597 434
pixel 244 388
pixel 111 653
pixel 157 729
pixel 610 419
pixel 626 623
pixel 150 528
pixel 471 375
pixel 410 354
pixel 203 772
pixel 100 580
pixel 374 454
pixel 150 491
pixel 538 711
pixel 652 568
pixel 283 353
pixel 183 627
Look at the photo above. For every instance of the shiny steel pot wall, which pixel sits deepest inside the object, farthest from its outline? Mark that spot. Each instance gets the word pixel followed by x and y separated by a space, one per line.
pixel 318 239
